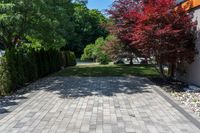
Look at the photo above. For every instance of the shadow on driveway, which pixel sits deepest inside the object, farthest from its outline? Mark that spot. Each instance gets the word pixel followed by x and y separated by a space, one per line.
pixel 75 87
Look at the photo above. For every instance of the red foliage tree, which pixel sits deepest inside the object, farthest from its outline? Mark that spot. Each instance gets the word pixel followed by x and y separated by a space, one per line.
pixel 165 33
pixel 120 15
pixel 113 47
pixel 116 50
pixel 158 31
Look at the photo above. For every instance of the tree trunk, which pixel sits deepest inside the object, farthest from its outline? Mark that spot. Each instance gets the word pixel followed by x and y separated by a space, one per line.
pixel 162 72
pixel 131 60
pixel 63 60
pixel 171 70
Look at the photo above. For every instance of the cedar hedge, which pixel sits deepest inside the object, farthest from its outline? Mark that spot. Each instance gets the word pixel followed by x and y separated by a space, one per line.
pixel 21 66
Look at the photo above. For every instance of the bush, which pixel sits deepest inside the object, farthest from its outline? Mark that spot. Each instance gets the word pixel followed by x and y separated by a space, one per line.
pixel 5 80
pixel 72 59
pixel 103 59
pixel 89 53
pixel 94 52
pixel 20 66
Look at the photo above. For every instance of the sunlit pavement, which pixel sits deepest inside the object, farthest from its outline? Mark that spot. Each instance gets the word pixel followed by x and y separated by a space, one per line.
pixel 96 105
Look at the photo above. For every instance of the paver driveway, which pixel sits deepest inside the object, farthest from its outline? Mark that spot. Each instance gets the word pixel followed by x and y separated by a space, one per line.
pixel 95 105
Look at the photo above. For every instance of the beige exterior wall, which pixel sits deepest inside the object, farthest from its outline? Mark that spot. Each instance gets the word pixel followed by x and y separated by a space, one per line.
pixel 193 70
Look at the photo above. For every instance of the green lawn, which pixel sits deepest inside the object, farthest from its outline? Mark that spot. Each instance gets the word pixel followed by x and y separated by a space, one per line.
pixel 109 70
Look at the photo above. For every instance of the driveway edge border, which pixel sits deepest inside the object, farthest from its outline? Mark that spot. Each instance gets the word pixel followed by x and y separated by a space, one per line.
pixel 184 110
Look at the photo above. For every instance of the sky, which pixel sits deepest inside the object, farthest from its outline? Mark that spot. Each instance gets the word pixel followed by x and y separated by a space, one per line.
pixel 99 4
pixel 104 4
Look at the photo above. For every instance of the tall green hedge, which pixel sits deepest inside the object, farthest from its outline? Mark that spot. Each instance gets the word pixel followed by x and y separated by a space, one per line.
pixel 70 56
pixel 21 66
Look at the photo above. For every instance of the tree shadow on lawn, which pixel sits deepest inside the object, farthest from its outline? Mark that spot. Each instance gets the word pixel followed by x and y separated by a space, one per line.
pixel 74 87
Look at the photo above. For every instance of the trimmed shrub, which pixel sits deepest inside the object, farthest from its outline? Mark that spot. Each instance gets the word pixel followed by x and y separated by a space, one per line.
pixel 5 80
pixel 70 58
pixel 20 66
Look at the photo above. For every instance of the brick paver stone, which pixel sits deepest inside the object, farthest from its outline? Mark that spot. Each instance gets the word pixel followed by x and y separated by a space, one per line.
pixel 96 105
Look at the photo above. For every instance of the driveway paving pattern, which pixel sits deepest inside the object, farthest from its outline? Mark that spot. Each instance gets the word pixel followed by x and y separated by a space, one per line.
pixel 94 105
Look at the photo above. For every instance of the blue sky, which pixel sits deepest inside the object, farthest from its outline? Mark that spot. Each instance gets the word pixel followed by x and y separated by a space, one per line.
pixel 99 4
pixel 105 4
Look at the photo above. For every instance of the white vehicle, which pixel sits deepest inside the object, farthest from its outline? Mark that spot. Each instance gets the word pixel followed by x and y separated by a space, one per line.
pixel 1 52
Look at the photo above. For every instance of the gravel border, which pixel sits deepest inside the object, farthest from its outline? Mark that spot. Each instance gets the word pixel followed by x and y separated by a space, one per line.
pixel 176 89
pixel 190 99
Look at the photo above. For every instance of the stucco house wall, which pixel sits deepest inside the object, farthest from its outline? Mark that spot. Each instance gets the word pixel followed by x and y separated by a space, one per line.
pixel 193 70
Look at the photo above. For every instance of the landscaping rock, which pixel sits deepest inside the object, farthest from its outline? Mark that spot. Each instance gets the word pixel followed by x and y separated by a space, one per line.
pixel 188 95
pixel 190 99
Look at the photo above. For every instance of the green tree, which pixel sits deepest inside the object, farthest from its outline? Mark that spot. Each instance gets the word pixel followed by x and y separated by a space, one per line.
pixel 89 53
pixel 50 22
pixel 95 52
pixel 88 27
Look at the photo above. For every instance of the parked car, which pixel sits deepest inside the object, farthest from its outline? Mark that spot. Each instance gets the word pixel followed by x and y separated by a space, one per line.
pixel 119 61
pixel 144 62
pixel 1 52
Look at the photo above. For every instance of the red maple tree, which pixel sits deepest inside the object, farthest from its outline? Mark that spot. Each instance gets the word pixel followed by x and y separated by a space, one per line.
pixel 116 50
pixel 158 31
pixel 121 15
